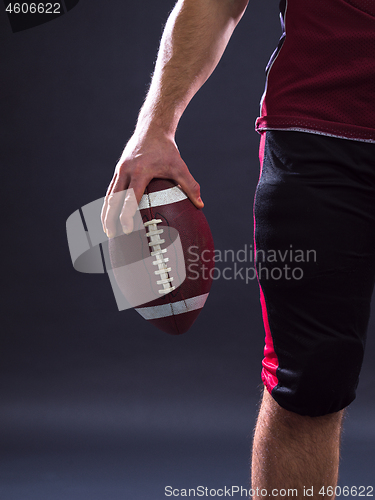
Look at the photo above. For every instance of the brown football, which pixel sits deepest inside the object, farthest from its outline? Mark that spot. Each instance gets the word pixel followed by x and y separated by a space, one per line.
pixel 170 222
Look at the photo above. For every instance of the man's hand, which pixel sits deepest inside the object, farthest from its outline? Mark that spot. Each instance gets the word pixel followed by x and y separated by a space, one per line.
pixel 144 158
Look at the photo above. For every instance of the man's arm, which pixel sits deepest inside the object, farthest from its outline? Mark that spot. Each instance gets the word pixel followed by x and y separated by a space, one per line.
pixel 194 39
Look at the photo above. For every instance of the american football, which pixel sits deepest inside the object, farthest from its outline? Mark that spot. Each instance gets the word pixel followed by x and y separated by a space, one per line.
pixel 167 214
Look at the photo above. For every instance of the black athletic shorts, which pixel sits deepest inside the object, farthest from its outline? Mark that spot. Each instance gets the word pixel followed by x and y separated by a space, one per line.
pixel 314 213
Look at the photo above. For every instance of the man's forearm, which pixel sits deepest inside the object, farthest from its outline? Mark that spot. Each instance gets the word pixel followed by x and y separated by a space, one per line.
pixel 194 39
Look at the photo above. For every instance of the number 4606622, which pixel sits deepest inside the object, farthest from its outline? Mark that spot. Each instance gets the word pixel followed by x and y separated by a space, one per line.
pixel 33 8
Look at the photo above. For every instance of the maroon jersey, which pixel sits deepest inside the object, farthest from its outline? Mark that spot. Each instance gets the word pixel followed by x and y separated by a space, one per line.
pixel 321 78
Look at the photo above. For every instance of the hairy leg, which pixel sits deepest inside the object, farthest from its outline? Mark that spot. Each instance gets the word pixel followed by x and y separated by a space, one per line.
pixel 294 452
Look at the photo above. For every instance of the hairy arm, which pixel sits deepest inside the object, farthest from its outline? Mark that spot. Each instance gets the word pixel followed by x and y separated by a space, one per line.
pixel 193 42
pixel 194 39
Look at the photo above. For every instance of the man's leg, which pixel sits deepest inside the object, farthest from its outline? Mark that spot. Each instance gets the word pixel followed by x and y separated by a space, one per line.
pixel 291 451
pixel 314 193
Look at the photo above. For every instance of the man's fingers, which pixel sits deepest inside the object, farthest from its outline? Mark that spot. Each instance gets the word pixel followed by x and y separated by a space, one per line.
pixel 111 210
pixel 128 211
pixel 132 199
pixel 105 204
pixel 192 189
pixel 120 206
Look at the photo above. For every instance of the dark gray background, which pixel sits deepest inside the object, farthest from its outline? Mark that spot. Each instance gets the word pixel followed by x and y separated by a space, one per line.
pixel 97 404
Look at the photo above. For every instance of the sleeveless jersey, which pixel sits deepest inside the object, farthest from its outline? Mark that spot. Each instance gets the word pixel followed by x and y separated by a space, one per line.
pixel 321 78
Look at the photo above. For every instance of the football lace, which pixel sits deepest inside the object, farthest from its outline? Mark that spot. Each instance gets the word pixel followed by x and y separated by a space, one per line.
pixel 161 261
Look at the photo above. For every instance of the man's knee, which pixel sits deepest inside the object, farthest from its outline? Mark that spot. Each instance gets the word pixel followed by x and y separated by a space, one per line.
pixel 322 381
pixel 294 423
